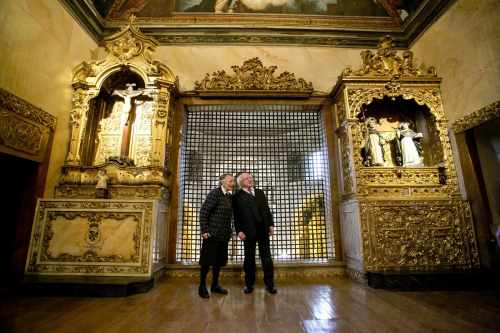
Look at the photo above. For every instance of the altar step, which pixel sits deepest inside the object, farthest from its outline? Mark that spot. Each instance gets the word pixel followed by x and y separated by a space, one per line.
pixel 281 271
pixel 86 286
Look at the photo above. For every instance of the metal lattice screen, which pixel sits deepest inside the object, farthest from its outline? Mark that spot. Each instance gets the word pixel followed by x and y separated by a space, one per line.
pixel 284 148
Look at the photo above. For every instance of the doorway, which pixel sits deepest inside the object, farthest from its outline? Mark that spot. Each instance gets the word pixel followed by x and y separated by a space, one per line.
pixel 19 200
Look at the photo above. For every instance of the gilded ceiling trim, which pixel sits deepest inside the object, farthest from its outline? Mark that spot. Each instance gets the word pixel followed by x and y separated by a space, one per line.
pixel 477 118
pixel 253 79
pixel 264 29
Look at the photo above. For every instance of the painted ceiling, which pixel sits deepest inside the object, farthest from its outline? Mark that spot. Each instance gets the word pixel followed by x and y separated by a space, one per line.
pixel 358 23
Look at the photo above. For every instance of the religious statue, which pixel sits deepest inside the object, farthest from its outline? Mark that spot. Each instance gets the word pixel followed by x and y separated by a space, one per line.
pixel 101 188
pixel 127 96
pixel 373 148
pixel 410 148
pixel 126 116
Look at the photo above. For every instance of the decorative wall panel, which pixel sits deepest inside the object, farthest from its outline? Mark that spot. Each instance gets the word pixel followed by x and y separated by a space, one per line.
pixel 93 237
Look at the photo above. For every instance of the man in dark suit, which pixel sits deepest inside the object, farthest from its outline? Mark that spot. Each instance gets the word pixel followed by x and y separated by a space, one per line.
pixel 215 226
pixel 254 224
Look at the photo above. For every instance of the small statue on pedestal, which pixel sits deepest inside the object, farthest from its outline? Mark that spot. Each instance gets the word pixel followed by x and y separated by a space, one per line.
pixel 101 188
pixel 373 148
pixel 410 147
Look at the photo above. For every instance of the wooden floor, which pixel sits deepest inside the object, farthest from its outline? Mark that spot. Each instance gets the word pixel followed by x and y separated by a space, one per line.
pixel 322 306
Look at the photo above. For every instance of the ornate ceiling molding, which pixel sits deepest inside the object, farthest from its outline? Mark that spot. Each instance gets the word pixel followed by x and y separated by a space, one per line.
pixel 266 29
pixel 477 118
pixel 253 79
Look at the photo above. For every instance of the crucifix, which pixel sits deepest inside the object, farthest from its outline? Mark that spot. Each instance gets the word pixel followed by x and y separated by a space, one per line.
pixel 127 117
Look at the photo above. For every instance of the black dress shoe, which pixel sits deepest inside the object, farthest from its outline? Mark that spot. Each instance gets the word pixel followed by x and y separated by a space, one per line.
pixel 247 290
pixel 218 289
pixel 203 292
pixel 271 290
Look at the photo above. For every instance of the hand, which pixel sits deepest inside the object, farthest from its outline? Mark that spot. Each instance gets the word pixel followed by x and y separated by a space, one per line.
pixel 205 235
pixel 271 230
pixel 241 235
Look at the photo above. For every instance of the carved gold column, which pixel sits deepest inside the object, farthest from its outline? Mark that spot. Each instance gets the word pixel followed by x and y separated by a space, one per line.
pixel 78 119
pixel 161 125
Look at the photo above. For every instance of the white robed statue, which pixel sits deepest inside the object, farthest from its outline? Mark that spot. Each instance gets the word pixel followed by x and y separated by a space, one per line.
pixel 373 149
pixel 410 149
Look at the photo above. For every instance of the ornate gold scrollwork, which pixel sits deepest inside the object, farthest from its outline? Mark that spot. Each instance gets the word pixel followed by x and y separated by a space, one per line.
pixel 127 51
pixel 12 103
pixel 89 253
pixel 387 63
pixel 24 128
pixel 413 235
pixel 477 118
pixel 253 78
pixel 410 217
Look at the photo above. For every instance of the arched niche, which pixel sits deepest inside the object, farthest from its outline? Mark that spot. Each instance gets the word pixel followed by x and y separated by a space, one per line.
pixel 128 137
pixel 110 131
pixel 389 113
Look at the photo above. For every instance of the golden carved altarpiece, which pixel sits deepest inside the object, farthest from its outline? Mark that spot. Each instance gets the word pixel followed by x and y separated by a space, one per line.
pixel 408 218
pixel 124 235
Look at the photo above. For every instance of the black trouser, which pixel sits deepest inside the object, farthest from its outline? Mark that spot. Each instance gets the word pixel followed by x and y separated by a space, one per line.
pixel 265 257
pixel 215 275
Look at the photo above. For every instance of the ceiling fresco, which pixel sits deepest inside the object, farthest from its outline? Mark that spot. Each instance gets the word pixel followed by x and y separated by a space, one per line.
pixel 358 23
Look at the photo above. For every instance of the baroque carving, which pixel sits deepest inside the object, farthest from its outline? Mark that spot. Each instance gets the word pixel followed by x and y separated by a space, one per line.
pixel 24 128
pixel 18 134
pixel 119 175
pixel 387 63
pixel 489 112
pixel 90 242
pixel 12 103
pixel 93 240
pixel 410 218
pixel 428 235
pixel 114 192
pixel 359 95
pixel 145 139
pixel 253 76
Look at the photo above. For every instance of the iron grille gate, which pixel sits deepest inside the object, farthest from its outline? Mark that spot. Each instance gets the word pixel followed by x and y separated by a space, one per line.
pixel 284 148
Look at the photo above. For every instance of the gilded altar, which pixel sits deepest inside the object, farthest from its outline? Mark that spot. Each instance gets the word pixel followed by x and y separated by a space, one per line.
pixel 109 215
pixel 397 218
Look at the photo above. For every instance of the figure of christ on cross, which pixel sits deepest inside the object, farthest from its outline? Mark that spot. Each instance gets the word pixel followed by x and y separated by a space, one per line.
pixel 127 117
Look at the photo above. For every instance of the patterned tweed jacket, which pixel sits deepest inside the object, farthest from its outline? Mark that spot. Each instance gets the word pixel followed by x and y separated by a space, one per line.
pixel 215 215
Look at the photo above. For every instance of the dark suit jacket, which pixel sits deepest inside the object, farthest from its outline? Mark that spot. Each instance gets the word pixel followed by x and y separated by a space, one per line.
pixel 251 212
pixel 215 215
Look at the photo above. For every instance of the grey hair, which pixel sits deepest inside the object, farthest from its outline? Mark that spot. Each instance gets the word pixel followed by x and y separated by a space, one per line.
pixel 238 180
pixel 223 176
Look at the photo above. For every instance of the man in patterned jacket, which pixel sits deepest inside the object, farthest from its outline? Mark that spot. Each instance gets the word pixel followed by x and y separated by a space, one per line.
pixel 215 226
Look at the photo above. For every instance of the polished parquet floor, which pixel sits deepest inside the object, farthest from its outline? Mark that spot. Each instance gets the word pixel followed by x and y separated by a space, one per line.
pixel 337 305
